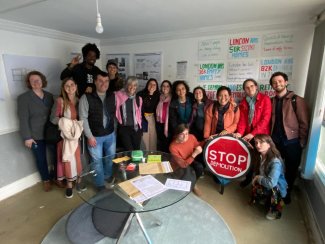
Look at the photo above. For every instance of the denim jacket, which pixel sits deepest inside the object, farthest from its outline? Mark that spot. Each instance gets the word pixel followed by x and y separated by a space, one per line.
pixel 274 176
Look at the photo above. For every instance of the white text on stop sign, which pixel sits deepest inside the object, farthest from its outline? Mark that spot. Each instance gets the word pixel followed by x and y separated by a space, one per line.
pixel 228 157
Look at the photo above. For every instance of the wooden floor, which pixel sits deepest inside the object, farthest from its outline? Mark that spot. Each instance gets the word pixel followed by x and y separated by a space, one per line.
pixel 29 215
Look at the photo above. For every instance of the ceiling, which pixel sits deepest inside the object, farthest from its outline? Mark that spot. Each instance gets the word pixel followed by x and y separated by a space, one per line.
pixel 144 17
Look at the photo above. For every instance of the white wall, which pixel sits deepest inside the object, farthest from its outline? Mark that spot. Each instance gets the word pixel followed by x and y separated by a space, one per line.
pixel 174 50
pixel 17 166
pixel 28 45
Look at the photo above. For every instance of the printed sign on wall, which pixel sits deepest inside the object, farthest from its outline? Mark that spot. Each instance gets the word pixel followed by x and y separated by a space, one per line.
pixel 212 71
pixel 240 70
pixel 243 47
pixel 270 65
pixel 212 49
pixel 278 44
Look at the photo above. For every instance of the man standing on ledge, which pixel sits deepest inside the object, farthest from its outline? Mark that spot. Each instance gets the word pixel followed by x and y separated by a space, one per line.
pixel 289 126
pixel 83 73
pixel 97 111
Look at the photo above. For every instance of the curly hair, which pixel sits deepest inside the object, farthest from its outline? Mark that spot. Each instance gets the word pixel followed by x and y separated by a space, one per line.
pixel 180 82
pixel 90 47
pixel 35 72
pixel 284 75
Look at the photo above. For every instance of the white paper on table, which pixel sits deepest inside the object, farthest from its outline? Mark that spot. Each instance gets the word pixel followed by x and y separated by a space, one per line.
pixel 180 185
pixel 148 186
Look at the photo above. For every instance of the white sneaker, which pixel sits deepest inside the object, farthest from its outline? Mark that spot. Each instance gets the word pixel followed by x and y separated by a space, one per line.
pixel 271 216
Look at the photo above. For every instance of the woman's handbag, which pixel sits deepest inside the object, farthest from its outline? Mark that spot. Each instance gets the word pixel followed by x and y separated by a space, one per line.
pixel 52 133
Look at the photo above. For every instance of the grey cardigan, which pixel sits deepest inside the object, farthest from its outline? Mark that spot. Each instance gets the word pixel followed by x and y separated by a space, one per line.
pixel 33 113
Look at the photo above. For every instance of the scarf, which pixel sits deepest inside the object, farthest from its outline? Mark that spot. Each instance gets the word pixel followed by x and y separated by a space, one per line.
pixel 251 104
pixel 159 111
pixel 124 116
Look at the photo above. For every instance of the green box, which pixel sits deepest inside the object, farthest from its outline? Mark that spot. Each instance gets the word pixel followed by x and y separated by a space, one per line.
pixel 136 155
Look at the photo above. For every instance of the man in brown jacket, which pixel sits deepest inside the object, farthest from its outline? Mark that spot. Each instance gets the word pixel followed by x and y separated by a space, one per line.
pixel 289 126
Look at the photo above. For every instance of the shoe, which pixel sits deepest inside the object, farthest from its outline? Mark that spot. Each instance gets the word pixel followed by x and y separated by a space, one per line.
pixel 59 183
pixel 111 180
pixel 47 186
pixel 197 191
pixel 69 193
pixel 80 187
pixel 271 216
pixel 101 188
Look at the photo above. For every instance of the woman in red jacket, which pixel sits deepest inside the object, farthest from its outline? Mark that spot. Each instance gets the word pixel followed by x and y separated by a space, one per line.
pixel 255 112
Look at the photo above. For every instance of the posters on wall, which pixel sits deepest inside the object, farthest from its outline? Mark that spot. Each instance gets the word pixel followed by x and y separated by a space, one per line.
pixel 123 63
pixel 146 66
pixel 270 65
pixel 212 71
pixel 243 47
pixel 278 44
pixel 240 70
pixel 245 57
pixel 16 68
pixel 181 70
pixel 212 49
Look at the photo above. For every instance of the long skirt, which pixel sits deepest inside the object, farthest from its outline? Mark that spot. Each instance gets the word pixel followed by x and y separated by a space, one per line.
pixel 68 170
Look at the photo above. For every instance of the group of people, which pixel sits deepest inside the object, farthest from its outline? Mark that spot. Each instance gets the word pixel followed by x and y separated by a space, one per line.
pixel 169 118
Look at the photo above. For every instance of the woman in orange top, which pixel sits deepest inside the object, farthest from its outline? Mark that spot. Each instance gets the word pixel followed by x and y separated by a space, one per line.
pixel 184 149
pixel 222 116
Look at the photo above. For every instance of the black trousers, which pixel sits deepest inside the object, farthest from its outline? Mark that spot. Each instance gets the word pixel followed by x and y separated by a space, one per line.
pixel 129 138
pixel 291 154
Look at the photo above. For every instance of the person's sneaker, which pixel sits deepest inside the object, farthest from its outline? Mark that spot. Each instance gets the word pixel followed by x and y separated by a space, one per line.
pixel 271 216
pixel 68 193
pixel 80 187
pixel 197 191
pixel 47 185
pixel 101 188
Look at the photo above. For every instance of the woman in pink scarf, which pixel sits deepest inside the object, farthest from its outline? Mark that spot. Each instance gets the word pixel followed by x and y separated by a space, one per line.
pixel 162 116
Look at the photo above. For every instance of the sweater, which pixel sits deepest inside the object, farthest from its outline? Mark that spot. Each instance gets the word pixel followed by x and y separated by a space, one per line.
pixel 183 151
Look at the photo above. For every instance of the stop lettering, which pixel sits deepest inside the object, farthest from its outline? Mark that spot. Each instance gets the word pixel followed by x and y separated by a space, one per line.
pixel 227 157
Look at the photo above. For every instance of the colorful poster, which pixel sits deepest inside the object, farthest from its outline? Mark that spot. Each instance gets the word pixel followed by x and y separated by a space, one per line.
pixel 212 72
pixel 270 65
pixel 123 63
pixel 212 49
pixel 146 66
pixel 240 70
pixel 278 44
pixel 237 90
pixel 243 47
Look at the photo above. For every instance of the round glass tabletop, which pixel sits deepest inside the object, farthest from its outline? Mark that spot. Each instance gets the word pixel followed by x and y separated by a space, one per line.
pixel 131 171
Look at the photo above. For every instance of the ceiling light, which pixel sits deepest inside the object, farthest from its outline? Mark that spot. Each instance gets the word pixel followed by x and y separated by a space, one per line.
pixel 99 27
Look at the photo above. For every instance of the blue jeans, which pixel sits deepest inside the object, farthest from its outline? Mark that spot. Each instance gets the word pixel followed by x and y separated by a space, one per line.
pixel 39 151
pixel 101 157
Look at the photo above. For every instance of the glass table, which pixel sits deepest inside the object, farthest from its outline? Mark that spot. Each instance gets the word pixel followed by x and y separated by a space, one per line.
pixel 113 200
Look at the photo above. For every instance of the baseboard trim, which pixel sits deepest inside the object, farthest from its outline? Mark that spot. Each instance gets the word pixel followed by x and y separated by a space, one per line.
pixel 19 185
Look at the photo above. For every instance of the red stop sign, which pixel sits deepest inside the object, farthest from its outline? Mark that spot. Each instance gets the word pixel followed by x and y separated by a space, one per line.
pixel 227 157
